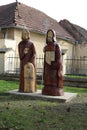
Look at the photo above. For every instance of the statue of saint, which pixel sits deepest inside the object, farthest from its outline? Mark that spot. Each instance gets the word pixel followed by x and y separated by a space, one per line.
pixel 27 55
pixel 53 79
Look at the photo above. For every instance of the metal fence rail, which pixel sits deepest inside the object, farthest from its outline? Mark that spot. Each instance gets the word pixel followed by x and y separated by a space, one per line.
pixel 13 65
pixel 75 66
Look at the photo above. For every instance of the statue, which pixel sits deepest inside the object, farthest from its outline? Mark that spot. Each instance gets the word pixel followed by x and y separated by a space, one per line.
pixel 27 64
pixel 53 79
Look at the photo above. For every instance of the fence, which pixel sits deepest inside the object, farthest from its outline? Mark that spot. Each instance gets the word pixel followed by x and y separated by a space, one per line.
pixel 76 66
pixel 12 65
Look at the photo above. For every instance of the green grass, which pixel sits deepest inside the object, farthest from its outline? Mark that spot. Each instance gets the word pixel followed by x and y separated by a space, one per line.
pixel 24 113
pixel 10 85
pixel 75 89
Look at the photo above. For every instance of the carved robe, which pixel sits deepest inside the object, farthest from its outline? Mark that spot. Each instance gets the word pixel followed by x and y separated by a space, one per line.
pixel 53 79
pixel 27 67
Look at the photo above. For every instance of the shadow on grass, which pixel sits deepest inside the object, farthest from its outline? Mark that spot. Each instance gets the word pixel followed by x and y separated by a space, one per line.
pixel 4 94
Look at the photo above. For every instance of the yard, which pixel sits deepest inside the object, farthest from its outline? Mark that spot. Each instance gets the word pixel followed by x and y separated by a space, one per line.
pixel 23 113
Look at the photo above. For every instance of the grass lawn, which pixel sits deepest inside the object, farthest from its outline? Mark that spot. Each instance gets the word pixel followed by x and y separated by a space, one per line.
pixel 24 113
pixel 10 85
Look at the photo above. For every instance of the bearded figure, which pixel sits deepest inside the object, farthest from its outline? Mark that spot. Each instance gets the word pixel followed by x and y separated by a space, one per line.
pixel 27 55
pixel 53 79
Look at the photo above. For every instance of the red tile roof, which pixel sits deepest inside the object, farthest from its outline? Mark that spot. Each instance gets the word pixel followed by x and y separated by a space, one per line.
pixel 79 33
pixel 7 15
pixel 20 15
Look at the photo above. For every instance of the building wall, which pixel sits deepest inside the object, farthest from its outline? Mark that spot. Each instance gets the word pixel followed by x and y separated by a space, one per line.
pixel 81 50
pixel 39 42
pixel 7 33
pixel 67 46
pixel 6 43
pixel 68 49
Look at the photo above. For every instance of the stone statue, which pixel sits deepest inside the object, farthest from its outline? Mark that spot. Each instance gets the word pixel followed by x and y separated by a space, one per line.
pixel 53 79
pixel 27 57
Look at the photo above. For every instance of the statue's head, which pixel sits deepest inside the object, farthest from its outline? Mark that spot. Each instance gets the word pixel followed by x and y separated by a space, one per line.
pixel 51 36
pixel 25 35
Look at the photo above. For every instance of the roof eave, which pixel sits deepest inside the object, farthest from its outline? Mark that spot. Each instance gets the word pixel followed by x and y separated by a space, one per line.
pixel 39 32
pixel 67 39
pixel 22 27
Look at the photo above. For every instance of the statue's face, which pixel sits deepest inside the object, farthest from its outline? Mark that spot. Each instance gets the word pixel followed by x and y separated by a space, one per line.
pixel 25 35
pixel 50 36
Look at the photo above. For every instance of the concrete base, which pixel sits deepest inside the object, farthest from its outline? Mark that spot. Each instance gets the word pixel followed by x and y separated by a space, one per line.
pixel 38 95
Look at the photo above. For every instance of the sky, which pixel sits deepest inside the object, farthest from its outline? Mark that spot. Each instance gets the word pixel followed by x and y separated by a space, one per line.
pixel 72 10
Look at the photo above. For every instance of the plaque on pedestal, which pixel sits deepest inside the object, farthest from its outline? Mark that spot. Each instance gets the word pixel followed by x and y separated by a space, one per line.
pixel 29 76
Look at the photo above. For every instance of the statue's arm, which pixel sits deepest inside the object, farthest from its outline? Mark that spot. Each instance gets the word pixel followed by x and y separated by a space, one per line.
pixel 56 64
pixel 21 52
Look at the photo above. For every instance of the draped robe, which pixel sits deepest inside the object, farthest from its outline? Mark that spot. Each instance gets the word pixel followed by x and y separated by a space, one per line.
pixel 26 59
pixel 53 79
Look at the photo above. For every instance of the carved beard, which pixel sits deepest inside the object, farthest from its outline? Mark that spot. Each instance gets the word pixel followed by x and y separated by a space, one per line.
pixel 50 39
pixel 50 36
